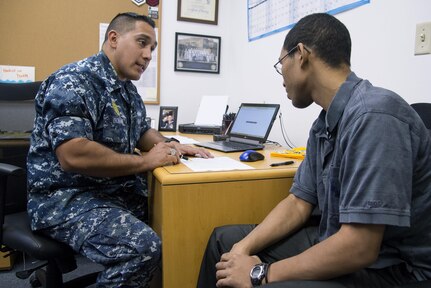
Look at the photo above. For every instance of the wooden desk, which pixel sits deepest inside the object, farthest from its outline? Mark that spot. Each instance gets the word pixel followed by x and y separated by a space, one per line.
pixel 186 206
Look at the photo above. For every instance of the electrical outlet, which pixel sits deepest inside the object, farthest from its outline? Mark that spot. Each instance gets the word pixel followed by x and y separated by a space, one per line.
pixel 423 38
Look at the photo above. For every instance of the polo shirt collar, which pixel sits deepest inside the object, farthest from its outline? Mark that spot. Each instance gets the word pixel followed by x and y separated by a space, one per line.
pixel 338 104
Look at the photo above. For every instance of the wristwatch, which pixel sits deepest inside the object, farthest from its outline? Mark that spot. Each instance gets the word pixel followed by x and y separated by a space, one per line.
pixel 258 273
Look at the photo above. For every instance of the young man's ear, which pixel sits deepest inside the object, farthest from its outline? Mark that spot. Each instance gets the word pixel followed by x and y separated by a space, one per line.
pixel 303 53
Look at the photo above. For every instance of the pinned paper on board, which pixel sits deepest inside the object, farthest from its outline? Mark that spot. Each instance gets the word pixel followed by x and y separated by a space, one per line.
pixel 211 110
pixel 17 74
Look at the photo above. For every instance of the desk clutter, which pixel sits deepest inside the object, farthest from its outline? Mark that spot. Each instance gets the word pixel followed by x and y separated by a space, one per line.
pixel 295 153
pixel 6 260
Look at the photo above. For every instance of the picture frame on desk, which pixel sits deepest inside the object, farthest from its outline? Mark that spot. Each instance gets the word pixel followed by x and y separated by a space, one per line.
pixel 168 118
pixel 197 53
pixel 198 11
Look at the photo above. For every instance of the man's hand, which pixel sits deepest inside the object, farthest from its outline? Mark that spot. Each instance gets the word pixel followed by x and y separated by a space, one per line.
pixel 152 138
pixel 233 270
pixel 162 154
pixel 183 149
pixel 165 154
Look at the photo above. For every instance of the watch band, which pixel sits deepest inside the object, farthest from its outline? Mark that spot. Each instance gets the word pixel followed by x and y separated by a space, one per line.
pixel 267 272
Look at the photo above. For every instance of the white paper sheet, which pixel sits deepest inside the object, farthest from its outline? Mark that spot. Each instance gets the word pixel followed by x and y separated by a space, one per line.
pixel 215 164
pixel 185 140
pixel 211 110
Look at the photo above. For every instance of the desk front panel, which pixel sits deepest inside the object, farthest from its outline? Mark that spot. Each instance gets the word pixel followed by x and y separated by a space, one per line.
pixel 184 215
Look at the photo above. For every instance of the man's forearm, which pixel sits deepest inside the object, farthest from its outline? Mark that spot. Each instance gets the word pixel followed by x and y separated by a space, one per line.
pixel 284 219
pixel 90 158
pixel 149 139
pixel 353 247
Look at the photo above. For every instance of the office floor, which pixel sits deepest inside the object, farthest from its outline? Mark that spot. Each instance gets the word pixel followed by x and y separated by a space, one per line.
pixel 8 278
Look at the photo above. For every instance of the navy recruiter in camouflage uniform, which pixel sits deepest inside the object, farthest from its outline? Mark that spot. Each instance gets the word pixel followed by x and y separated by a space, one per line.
pixel 86 186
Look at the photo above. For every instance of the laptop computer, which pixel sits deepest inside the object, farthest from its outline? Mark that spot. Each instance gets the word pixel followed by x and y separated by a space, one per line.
pixel 249 130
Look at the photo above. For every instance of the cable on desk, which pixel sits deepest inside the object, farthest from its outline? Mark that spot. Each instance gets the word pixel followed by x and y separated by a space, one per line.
pixel 283 132
pixel 273 143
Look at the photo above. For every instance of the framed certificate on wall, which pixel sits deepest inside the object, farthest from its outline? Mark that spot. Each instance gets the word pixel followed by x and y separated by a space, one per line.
pixel 201 11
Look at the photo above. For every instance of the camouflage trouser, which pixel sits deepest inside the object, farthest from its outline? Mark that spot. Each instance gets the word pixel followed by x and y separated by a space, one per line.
pixel 128 248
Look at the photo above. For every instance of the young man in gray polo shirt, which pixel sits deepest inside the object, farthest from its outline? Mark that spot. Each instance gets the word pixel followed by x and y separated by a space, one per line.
pixel 367 170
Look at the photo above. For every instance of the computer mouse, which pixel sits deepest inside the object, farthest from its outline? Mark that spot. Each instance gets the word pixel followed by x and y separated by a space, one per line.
pixel 251 156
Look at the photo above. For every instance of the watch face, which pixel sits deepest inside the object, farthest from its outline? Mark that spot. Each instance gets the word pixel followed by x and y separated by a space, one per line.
pixel 257 271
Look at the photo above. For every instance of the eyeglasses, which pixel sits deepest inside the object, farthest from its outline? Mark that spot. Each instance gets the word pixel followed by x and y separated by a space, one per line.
pixel 278 65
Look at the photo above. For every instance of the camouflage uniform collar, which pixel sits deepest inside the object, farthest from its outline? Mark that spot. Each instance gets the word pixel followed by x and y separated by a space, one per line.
pixel 111 77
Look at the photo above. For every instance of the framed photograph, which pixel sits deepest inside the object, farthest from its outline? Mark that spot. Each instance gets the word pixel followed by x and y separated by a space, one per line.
pixel 201 11
pixel 197 53
pixel 168 118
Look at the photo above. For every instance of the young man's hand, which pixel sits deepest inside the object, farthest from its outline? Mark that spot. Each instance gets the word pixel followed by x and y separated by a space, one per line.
pixel 233 270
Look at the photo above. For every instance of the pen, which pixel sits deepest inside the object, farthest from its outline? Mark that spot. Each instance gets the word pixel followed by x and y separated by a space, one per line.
pixel 282 163
pixel 137 151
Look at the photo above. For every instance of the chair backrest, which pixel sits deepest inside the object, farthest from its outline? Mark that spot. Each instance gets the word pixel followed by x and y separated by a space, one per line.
pixel 17 113
pixel 424 111
pixel 17 105
pixel 19 91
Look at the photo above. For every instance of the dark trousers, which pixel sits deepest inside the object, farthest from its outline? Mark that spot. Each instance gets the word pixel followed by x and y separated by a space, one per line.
pixel 223 238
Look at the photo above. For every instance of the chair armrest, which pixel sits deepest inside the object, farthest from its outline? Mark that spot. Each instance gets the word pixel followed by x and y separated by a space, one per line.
pixel 8 169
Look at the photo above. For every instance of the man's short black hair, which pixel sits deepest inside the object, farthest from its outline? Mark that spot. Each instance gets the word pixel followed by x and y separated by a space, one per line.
pixel 125 22
pixel 325 35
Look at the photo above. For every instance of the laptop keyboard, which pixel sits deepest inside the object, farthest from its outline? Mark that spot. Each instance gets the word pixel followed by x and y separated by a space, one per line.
pixel 235 145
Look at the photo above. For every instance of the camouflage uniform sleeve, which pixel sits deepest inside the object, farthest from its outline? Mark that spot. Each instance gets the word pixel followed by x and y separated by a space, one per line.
pixel 66 111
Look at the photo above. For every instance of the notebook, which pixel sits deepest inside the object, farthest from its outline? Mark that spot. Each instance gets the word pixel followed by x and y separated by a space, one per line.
pixel 249 130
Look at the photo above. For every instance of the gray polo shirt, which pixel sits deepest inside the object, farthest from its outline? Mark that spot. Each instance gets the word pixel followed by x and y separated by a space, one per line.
pixel 369 161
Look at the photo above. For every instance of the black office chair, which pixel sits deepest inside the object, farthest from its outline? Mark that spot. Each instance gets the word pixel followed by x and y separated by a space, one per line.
pixel 16 120
pixel 424 111
pixel 17 235
pixel 15 232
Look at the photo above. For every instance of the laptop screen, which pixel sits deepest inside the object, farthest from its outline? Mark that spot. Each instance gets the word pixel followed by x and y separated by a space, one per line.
pixel 254 121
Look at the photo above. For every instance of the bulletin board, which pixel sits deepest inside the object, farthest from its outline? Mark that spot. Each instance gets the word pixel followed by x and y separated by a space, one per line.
pixel 48 34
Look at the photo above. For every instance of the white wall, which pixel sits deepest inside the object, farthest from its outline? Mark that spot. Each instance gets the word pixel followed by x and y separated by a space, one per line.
pixel 382 34
pixel 185 89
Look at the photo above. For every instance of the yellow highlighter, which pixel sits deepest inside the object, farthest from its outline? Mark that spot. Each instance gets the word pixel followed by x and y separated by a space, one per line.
pixel 295 153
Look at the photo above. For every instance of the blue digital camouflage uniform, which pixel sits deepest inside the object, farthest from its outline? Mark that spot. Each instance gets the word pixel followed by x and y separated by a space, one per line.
pixel 92 214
